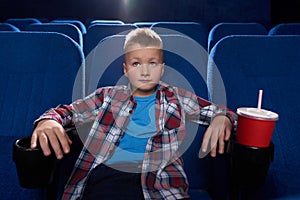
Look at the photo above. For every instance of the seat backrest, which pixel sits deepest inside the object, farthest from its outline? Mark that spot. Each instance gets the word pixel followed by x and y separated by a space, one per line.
pixel 194 30
pixel 68 29
pixel 98 32
pixel 286 29
pixel 144 24
pixel 185 62
pixel 105 21
pixel 225 29
pixel 245 64
pixel 77 23
pixel 8 27
pixel 38 71
pixel 22 23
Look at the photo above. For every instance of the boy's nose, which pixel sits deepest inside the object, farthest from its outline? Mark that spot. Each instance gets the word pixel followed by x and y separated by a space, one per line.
pixel 144 70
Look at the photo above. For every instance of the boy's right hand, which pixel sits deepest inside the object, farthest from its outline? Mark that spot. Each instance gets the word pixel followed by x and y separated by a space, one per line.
pixel 50 132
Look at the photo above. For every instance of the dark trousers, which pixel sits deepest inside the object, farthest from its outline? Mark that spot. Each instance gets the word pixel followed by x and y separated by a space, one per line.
pixel 107 183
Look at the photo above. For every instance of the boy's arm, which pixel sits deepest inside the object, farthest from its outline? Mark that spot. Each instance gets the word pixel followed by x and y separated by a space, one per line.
pixel 48 129
pixel 220 119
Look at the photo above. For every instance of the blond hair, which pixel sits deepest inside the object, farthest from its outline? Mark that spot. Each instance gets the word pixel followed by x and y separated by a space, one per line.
pixel 145 37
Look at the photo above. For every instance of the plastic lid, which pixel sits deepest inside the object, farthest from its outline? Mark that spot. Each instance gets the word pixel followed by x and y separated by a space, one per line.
pixel 257 113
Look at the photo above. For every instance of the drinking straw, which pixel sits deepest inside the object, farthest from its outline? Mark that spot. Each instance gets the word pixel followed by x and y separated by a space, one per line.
pixel 260 93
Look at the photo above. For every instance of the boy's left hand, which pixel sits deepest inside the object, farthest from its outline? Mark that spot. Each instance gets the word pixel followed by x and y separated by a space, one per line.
pixel 218 132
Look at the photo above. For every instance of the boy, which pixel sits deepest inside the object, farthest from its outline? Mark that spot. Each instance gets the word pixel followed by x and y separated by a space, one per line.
pixel 132 149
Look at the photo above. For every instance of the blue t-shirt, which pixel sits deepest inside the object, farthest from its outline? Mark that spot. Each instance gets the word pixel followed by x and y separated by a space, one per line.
pixel 141 126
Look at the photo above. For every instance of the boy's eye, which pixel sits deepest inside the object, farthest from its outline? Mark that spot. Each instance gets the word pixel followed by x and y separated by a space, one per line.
pixel 136 64
pixel 152 64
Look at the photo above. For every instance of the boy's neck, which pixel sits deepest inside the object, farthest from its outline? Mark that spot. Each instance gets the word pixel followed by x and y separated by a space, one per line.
pixel 144 93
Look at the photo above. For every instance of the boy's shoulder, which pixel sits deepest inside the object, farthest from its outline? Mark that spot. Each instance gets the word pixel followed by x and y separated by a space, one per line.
pixel 177 92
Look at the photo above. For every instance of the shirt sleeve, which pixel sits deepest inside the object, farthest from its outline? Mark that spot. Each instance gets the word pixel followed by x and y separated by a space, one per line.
pixel 80 111
pixel 202 111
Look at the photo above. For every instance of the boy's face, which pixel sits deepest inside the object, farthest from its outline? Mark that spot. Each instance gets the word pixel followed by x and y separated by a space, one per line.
pixel 144 68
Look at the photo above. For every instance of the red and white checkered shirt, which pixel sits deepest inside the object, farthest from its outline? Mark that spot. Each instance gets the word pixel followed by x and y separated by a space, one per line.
pixel 110 108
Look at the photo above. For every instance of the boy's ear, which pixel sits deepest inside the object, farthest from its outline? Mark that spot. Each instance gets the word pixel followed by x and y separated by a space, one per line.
pixel 125 69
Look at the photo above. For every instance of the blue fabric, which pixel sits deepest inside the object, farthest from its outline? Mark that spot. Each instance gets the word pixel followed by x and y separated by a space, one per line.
pixel 286 29
pixel 194 30
pixel 77 23
pixel 143 24
pixel 8 27
pixel 225 29
pixel 22 23
pixel 139 129
pixel 68 29
pixel 103 21
pixel 38 71
pixel 97 32
pixel 271 63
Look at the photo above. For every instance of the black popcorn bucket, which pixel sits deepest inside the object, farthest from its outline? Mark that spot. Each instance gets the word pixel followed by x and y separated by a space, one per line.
pixel 34 169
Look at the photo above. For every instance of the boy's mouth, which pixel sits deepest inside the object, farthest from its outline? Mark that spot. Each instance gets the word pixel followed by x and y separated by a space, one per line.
pixel 145 81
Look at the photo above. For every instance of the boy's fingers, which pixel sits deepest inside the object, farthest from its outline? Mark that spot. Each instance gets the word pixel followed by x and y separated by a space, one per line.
pixel 33 140
pixel 227 133
pixel 206 139
pixel 213 152
pixel 43 140
pixel 55 143
pixel 214 141
pixel 221 142
pixel 63 139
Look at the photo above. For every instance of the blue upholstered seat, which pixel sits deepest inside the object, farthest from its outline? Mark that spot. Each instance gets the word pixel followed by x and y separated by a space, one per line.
pixel 96 32
pixel 144 24
pixel 75 22
pixel 104 21
pixel 8 27
pixel 68 29
pixel 243 65
pixel 286 29
pixel 38 71
pixel 194 30
pixel 22 23
pixel 225 29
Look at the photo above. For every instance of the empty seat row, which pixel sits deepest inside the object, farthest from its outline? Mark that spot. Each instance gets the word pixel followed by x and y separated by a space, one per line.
pixel 98 29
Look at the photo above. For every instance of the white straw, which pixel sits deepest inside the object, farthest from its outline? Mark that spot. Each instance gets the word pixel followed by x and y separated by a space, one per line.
pixel 259 99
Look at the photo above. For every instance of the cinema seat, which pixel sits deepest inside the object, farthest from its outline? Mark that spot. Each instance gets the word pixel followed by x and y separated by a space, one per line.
pixel 75 22
pixel 37 72
pixel 242 65
pixel 22 23
pixel 196 31
pixel 97 32
pixel 225 29
pixel 8 27
pixel 286 29
pixel 68 29
pixel 103 21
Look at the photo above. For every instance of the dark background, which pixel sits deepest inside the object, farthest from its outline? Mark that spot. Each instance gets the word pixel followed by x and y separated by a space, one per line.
pixel 267 12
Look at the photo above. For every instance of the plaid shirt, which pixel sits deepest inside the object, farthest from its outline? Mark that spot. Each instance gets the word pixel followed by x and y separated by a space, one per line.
pixel 110 108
